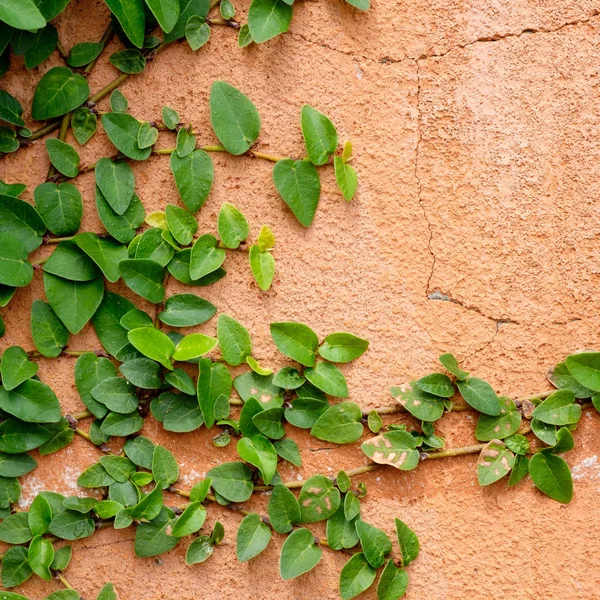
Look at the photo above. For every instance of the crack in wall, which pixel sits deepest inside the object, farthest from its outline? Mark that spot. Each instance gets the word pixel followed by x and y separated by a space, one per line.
pixel 437 295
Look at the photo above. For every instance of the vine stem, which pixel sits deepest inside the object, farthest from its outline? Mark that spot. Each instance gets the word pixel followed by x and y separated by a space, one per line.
pixel 104 41
pixel 64 581
pixel 62 135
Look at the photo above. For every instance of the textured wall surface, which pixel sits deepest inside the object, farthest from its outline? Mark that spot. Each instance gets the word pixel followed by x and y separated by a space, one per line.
pixel 475 230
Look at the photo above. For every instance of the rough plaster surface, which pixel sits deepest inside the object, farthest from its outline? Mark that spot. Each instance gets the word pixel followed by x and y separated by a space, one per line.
pixel 474 230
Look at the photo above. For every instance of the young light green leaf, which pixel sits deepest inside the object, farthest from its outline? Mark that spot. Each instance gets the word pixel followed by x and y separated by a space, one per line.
pixel 170 117
pixel 193 346
pixel 194 176
pixel 345 177
pixel 436 384
pixel 299 554
pixel 199 550
pixel 288 378
pixel 268 18
pixel 234 340
pixel 551 475
pixel 58 92
pixel 262 265
pixel 320 136
pixel 495 461
pixel 394 448
pixel 186 142
pixel 197 32
pixel 256 367
pixel 40 556
pixel 147 135
pixel 232 226
pixel 154 344
pixel 561 377
pixel 299 186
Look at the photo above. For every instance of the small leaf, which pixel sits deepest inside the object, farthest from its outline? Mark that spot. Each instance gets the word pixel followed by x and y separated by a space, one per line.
pixel 551 475
pixel 147 135
pixel 451 365
pixel 356 576
pixel 8 140
pixel 480 395
pixel 186 142
pixel 234 340
pixel 436 384
pixel 393 581
pixel 83 123
pixel 130 61
pixel 340 424
pixel 394 448
pixel 197 32
pixel 232 226
pixel 118 102
pixel 320 136
pixel 495 461
pixel 234 118
pixel 194 176
pixel 214 382
pixel 299 554
pixel 374 421
pixel 296 340
pixel 116 181
pixel 318 499
pixel 50 336
pixel 255 366
pixel 286 448
pixel 84 53
pixel 346 178
pixel 170 117
pixel 299 185
pixel 181 224
pixel 58 92
pixel 407 541
pixel 268 18
pixel 205 257
pixel 154 344
pixel 122 130
pixel 253 537
pixel 63 156
pixel 288 378
pixel 266 239
pixel 199 550
pixel 262 265
pixel 244 36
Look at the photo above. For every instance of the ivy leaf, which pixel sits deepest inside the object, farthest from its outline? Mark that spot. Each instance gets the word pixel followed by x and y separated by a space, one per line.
pixel 283 509
pixel 341 533
pixel 121 227
pixel 305 412
pixel 564 442
pixel 164 467
pixel 545 432
pixel 342 347
pixel 262 265
pixel 232 480
pixel 147 135
pixel 179 268
pixel 71 525
pixel 154 344
pixel 116 424
pixel 360 4
pixel 299 185
pixel 16 465
pixel 234 340
pixel 375 543
pixel 268 18
pixel 394 448
pixel 144 277
pixel 15 270
pixel 191 520
pixel 16 368
pixel 214 381
pixel 116 181
pixel 106 253
pixel 318 499
pixel 182 381
pixel 299 554
pixel 117 394
pixel 122 130
pixel 40 557
pixel 83 123
pixel 194 345
pixel 288 378
pixel 152 539
pixel 551 475
pixel 11 110
pixel 251 385
pixel 186 310
pixel 266 239
pixel 296 340
pixel 63 156
pixel 585 368
pixel 320 135
pixel 340 424
pixel 107 324
pixel 253 536
pixel 60 206
pixel 497 428
pixel 393 581
pixel 345 177
pixel 356 576
pixel 232 226
pixel 418 403
pixel 20 219
pixel 32 401
pixel 62 558
pixel 186 142
pixel 130 61
pixel 480 395
pixel 170 116
pixel 15 570
pixel 451 364
pixel 74 302
pixel 561 377
pixel 259 451
pixel 286 448
pixel 194 175
pixel 84 53
pixel 181 224
pixel 205 256
pixel 153 246
pixel 234 118
pixel 8 140
pixel 558 409
pixel 118 103
pixel 495 461
pixel 50 336
pixel 130 14
pixel 166 12
pixel 244 36
pixel 197 32
pixel 328 378
pixel 140 450
pixel 407 541
pixel 58 92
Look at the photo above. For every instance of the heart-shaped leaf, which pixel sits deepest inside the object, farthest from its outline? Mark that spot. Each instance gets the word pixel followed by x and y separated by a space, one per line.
pixel 58 92
pixel 60 206
pixel 16 368
pixel 299 554
pixel 268 18
pixel 299 185
pixel 194 176
pixel 15 270
pixel 320 135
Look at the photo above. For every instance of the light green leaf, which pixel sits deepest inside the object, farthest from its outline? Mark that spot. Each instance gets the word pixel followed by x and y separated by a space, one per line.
pixel 60 206
pixel 319 134
pixel 58 92
pixel 436 384
pixel 234 340
pixel 451 364
pixel 299 554
pixel 118 103
pixel 268 18
pixel 232 226
pixel 262 265
pixel 205 256
pixel 21 14
pixel 194 345
pixel 154 344
pixel 288 378
pixel 147 135
pixel 194 176
pixel 585 368
pixel 342 347
pixel 244 36
pixel 214 381
pixel 186 310
pixel 346 178
pixel 283 509
pixel 40 556
pixel 561 378
pixel 251 385
pixel 328 378
pixel 16 465
pixel 558 409
pixel 191 520
pixel 199 550
pixel 197 32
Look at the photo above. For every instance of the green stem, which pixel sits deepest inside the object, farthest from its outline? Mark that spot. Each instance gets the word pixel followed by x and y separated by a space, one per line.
pixel 475 449
pixel 107 89
pixel 83 434
pixel 224 22
pixel 63 53
pixel 57 240
pixel 62 134
pixel 64 581
pixel 104 41
pixel 84 414
pixel 267 156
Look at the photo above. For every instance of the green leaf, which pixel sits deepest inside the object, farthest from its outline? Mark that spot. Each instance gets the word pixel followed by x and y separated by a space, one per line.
pixel 130 61
pixel 234 340
pixel 186 310
pixel 497 428
pixel 340 424
pixel 199 550
pixel 60 206
pixel 116 424
pixel 232 480
pixel 268 422
pixel 266 239
pixel 283 509
pixel 299 185
pixel 558 409
pixel 518 443
pixel 15 270
pixel 117 394
pixel 375 543
pixel 15 570
pixel 564 442
pixel 122 130
pixel 152 539
pixel 20 219
pixel 393 581
pixel 436 384
pixel 341 533
pixel 345 177
pixel 268 18
pixel 95 476
pixel 320 136
pixel 262 265
pixel 61 435
pixel 561 377
pixel 62 558
pixel 288 378
pixel 194 345
pixel 50 336
pixel 251 385
pixel 194 176
pixel 170 117
pixel 205 256
pixel 144 277
pixel 519 470
pixel 480 395
pixel 191 520
pixel 214 381
pixel 15 529
pixel 154 344
pixel 83 123
pixel 356 576
pixel 287 448
pixel 551 475
pixel 181 224
pixel 130 14
pixel 63 156
pixel 84 53
pixel 188 9
pixel 107 324
pixel 153 246
pixel 495 461
pixel 179 268
pixel 32 401
pixel 451 365
pixel 121 227
pixel 8 140
pixel 183 413
pixel 118 103
pixel 186 142
pixel 166 12
pixel 305 412
pixel 116 181
pixel 244 36
pixel 342 347
pixel 197 32
pixel 164 467
pixel 232 226
pixel 585 368
pixel 21 14
pixel 74 302
pixel 58 92
pixel 234 118
pixel 259 451
pixel 12 189
pixel 299 554
pixel 106 253
pixel 11 110
pixel 147 135
pixel 15 369
pixel 318 499
pixel 140 450
pixel 328 378
pixel 545 432
pixel 395 448
pixel 253 537
pixel 16 465
pixel 40 557
pixel 71 525
pixel 374 421
pixel 10 489
pixel 407 541
pixel 296 340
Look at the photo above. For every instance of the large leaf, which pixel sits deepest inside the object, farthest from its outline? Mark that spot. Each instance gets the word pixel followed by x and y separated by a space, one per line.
pixel 74 302
pixel 253 536
pixel 60 206
pixel 551 475
pixel 340 424
pixel 299 185
pixel 122 130
pixel 70 262
pixel 16 368
pixel 259 451
pixel 58 92
pixel 194 176
pixel 50 336
pixel 21 14
pixel 394 448
pixel 15 270
pixel 296 340
pixel 299 554
pixel 144 277
pixel 130 14
pixel 342 347
pixel 154 344
pixel 319 134
pixel 106 253
pixel 21 220
pixel 116 181
pixel 558 409
pixel 234 118
pixel 32 401
pixel 268 18
pixel 232 480
pixel 480 395
pixel 166 13
pixel 328 378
